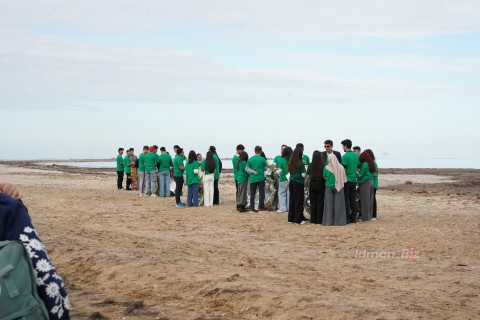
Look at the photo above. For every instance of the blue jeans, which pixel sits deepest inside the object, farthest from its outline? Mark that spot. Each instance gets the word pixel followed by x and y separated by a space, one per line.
pixel 151 182
pixel 164 183
pixel 283 196
pixel 192 196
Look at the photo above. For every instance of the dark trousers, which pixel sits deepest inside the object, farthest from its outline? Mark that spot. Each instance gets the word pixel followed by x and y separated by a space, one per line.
pixel 374 203
pixel 236 192
pixel 178 188
pixel 295 206
pixel 351 200
pixel 129 181
pixel 120 180
pixel 216 192
pixel 317 196
pixel 261 194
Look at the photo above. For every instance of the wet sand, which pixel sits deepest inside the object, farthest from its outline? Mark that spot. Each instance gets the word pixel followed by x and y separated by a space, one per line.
pixel 129 257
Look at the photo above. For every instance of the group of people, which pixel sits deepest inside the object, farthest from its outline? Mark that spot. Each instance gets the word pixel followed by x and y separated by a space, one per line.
pixel 333 182
pixel 150 173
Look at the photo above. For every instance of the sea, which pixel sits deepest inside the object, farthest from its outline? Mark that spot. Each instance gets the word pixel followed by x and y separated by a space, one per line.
pixel 401 163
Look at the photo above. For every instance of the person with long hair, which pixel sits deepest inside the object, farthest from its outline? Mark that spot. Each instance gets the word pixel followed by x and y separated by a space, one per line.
pixel 191 171
pixel 242 180
pixel 256 166
pixel 334 212
pixel 297 171
pixel 209 167
pixel 178 169
pixel 282 171
pixel 218 170
pixel 375 184
pixel 367 171
pixel 316 190
pixel 240 149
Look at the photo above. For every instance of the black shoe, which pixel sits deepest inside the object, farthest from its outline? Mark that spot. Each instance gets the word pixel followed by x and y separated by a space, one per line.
pixel 253 210
pixel 242 209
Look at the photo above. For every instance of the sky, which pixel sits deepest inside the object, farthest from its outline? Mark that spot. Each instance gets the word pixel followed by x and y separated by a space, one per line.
pixel 78 79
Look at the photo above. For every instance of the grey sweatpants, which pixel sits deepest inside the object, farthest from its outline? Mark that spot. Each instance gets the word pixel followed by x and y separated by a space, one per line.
pixel 334 211
pixel 366 200
pixel 242 193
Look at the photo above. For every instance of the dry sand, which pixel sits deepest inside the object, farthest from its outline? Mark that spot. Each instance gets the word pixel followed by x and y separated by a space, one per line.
pixel 130 257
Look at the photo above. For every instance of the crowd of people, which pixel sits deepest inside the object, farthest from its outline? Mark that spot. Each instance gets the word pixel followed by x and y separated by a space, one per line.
pixel 339 189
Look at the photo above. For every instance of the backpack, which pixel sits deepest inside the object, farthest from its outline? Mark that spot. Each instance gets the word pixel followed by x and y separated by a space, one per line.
pixel 19 298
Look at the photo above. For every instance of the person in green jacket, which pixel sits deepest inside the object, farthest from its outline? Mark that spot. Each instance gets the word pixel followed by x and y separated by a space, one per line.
pixel 141 171
pixel 375 184
pixel 178 169
pixel 151 172
pixel 242 179
pixel 281 171
pixel 350 162
pixel 164 165
pixel 367 171
pixel 296 168
pixel 120 169
pixel 334 212
pixel 191 172
pixel 240 149
pixel 256 167
pixel 127 167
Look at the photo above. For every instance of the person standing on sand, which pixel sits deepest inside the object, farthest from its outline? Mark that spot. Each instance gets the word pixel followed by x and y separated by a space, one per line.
pixel 134 159
pixel 367 171
pixel 282 172
pixel 296 168
pixel 127 167
pixel 256 167
pixel 218 170
pixel 151 172
pixel 334 212
pixel 120 169
pixel 375 184
pixel 191 172
pixel 208 167
pixel 350 162
pixel 141 171
pixel 242 178
pixel 164 165
pixel 240 149
pixel 317 187
pixel 178 169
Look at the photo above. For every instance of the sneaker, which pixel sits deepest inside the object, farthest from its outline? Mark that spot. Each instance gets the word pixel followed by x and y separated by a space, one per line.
pixel 281 211
pixel 263 209
pixel 153 195
pixel 180 205
pixel 374 219
pixel 303 222
pixel 140 194
pixel 253 210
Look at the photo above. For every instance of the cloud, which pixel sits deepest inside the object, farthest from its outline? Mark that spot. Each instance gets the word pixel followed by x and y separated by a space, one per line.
pixel 281 18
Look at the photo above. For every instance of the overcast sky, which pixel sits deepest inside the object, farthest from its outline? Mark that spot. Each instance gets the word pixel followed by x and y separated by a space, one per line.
pixel 78 79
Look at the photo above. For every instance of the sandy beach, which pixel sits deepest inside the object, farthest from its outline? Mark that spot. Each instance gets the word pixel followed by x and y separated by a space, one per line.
pixel 129 257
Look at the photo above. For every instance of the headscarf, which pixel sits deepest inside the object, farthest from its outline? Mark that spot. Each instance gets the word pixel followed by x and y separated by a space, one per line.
pixel 365 157
pixel 338 171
